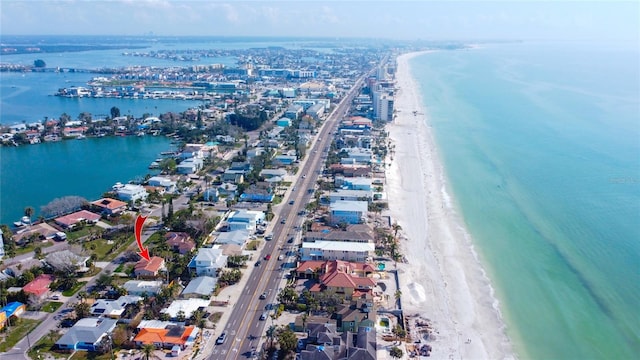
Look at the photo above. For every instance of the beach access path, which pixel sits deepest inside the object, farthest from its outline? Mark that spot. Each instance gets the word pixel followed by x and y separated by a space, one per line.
pixel 443 280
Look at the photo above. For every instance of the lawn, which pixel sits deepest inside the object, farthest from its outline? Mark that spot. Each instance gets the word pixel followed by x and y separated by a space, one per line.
pixel 45 347
pixel 51 306
pixel 74 289
pixel 105 250
pixel 253 245
pixel 30 247
pixel 17 333
pixel 74 235
pixel 86 355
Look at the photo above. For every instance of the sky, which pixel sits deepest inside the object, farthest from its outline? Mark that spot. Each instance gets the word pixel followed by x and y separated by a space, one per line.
pixel 410 20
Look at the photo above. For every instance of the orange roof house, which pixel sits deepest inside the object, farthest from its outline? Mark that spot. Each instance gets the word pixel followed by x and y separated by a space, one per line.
pixel 110 206
pixel 149 268
pixel 166 338
pixel 69 221
pixel 39 286
pixel 180 242
pixel 341 277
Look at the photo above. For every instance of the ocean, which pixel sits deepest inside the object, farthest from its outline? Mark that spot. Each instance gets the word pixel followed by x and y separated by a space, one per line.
pixel 541 147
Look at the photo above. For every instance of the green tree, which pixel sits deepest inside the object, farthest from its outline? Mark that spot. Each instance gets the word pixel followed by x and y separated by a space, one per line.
pixel 115 112
pixel 28 212
pixel 399 332
pixel 82 310
pixel 286 338
pixel 396 352
pixel 148 349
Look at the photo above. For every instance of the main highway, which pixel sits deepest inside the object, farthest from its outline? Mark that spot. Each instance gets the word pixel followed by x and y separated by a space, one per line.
pixel 244 329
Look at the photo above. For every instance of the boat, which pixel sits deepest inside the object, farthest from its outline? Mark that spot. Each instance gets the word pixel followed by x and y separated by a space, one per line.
pixel 141 133
pixel 81 137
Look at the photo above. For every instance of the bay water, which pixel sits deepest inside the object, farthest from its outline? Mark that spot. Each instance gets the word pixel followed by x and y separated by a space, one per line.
pixel 541 147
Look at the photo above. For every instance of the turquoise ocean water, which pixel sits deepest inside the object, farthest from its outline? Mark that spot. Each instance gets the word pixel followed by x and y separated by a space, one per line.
pixel 541 145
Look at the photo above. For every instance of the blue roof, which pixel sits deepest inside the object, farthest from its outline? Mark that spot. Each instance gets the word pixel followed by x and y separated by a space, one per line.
pixel 11 308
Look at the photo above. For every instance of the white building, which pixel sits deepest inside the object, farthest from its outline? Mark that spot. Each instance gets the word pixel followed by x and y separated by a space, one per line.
pixel 337 250
pixel 208 261
pixel 187 307
pixel 140 287
pixel 245 220
pixel 168 184
pixel 130 192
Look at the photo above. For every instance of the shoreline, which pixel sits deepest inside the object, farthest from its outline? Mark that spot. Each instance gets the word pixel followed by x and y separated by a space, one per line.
pixel 444 280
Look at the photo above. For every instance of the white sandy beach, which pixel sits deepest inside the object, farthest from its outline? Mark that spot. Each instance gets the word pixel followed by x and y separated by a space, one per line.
pixel 443 280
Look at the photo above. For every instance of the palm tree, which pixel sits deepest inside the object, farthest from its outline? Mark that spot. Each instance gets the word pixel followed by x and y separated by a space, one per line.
pixel 148 349
pixel 396 227
pixel 28 211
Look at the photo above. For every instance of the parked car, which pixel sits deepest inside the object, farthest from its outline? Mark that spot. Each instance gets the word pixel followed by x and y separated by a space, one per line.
pixel 269 237
pixel 281 257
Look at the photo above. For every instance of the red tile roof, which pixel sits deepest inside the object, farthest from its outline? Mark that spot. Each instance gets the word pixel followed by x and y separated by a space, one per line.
pixel 153 265
pixel 150 336
pixel 181 240
pixel 39 285
pixel 77 216
pixel 109 203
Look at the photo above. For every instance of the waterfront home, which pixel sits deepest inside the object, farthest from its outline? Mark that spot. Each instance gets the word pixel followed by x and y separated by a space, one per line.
pixel 74 131
pixel 165 182
pixel 359 313
pixel 149 268
pixel 113 308
pixel 337 250
pixel 39 231
pixel 350 212
pixel 69 221
pixel 208 261
pixel 12 309
pixel 39 287
pixel 142 287
pixel 339 277
pixel 339 235
pixel 350 195
pixel 87 334
pixel 109 206
pixel 189 166
pixel 192 151
pixel 354 183
pixel 200 287
pixel 180 242
pixel 346 345
pixel 130 192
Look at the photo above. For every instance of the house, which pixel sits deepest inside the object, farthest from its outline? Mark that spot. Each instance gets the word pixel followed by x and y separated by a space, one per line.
pixel 39 287
pixel 346 346
pixel 40 231
pixel 180 242
pixel 201 287
pixel 339 235
pixel 168 184
pixel 283 122
pixel 167 338
pixel 130 192
pixel 74 131
pixel 252 153
pixel 190 166
pixel 110 206
pixel 184 307
pixel 236 237
pixel 227 189
pixel 70 221
pixel 316 111
pixel 192 151
pixel 271 173
pixel 359 313
pixel 354 183
pixel 350 212
pixel 350 279
pixel 293 111
pixel 89 334
pixel 113 308
pixel 14 309
pixel 233 176
pixel 208 261
pixel 245 220
pixel 350 195
pixel 66 259
pixel 337 250
pixel 142 287
pixel 149 268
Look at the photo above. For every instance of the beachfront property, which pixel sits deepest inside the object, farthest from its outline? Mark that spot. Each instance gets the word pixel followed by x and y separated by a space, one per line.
pixel 337 250
pixel 354 183
pixel 339 235
pixel 69 221
pixel 190 166
pixel 348 279
pixel 149 268
pixel 142 287
pixel 208 261
pixel 350 195
pixel 108 206
pixel 87 335
pixel 329 344
pixel 350 212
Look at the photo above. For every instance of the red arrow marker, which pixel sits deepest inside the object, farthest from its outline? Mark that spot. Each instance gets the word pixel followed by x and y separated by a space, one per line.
pixel 144 252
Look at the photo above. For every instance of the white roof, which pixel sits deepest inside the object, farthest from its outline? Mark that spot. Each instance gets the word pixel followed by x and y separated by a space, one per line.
pixel 187 306
pixel 339 246
pixel 346 205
